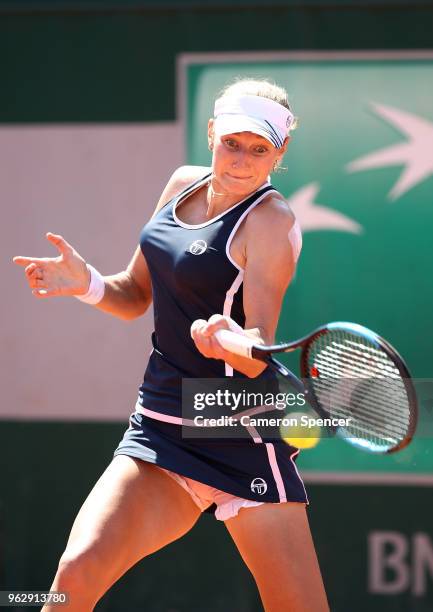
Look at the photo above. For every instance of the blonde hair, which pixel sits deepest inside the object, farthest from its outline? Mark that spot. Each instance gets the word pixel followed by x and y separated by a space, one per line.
pixel 259 87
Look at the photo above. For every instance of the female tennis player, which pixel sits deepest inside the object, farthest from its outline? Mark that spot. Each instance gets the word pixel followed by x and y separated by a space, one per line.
pixel 219 252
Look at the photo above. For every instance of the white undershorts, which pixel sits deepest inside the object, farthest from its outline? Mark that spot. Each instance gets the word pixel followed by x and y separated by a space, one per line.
pixel 203 495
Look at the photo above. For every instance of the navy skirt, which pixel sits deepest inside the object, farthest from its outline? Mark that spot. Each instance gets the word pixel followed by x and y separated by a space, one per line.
pixel 263 471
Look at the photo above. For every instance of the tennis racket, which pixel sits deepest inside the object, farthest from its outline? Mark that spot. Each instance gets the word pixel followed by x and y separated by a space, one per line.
pixel 348 372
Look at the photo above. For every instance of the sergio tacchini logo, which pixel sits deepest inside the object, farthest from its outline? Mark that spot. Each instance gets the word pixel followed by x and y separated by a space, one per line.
pixel 258 485
pixel 198 247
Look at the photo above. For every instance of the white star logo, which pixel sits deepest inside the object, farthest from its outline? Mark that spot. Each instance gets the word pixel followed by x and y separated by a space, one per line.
pixel 416 154
pixel 313 217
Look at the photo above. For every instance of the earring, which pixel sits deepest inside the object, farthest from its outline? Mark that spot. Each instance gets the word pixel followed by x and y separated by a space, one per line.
pixel 276 165
pixel 210 145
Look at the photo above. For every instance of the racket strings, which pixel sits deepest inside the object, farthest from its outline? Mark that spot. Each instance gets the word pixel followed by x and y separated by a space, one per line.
pixel 364 366
pixel 393 390
pixel 341 356
pixel 392 424
pixel 364 420
pixel 357 380
pixel 350 391
pixel 353 401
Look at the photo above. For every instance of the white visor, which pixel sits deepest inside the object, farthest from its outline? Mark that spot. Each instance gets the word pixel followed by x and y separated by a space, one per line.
pixel 255 114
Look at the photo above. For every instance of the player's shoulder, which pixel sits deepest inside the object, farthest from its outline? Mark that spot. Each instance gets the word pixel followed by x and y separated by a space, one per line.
pixel 180 179
pixel 186 175
pixel 272 214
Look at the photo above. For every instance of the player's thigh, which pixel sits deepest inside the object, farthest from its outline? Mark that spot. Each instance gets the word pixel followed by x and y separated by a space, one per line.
pixel 276 544
pixel 133 510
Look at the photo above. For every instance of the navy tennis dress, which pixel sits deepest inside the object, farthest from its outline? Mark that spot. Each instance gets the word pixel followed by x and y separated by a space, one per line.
pixel 193 277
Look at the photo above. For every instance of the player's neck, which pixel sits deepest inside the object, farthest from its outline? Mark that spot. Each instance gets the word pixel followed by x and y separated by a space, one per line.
pixel 218 201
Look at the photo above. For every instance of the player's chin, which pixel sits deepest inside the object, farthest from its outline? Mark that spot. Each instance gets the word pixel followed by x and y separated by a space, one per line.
pixel 241 184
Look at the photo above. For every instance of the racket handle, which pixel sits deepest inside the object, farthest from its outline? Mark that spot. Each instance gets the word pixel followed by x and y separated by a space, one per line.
pixel 235 343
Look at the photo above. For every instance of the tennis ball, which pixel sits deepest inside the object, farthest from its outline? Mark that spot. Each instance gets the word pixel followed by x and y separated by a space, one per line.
pixel 297 432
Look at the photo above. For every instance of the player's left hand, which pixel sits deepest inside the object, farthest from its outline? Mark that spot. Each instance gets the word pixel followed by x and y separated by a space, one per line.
pixel 202 332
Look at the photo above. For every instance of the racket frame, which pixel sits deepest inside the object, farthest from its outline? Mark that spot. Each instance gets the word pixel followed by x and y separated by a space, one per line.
pixel 265 353
pixel 394 356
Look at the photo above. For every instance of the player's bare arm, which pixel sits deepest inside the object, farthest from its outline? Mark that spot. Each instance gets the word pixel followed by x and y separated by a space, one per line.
pixel 127 294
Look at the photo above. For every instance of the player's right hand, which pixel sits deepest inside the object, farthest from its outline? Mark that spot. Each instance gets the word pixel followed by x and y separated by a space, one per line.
pixel 66 274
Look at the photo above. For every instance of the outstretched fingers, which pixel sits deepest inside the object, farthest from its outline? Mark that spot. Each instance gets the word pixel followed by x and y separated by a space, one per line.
pixel 57 240
pixel 63 274
pixel 60 243
pixel 26 261
pixel 37 274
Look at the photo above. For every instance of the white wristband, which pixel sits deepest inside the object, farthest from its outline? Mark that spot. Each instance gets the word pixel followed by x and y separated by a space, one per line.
pixel 96 287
